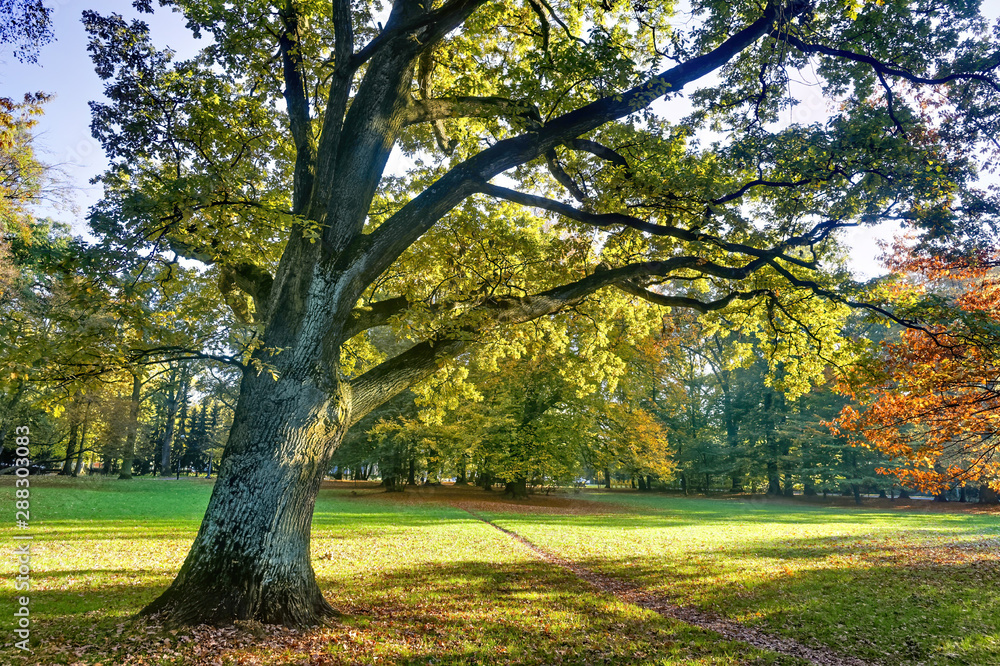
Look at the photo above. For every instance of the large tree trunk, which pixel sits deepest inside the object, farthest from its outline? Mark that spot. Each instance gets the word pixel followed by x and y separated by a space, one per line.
pixel 251 557
pixel 133 427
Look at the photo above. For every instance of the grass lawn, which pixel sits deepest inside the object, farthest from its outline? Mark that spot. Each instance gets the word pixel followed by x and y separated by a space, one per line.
pixel 897 587
pixel 420 581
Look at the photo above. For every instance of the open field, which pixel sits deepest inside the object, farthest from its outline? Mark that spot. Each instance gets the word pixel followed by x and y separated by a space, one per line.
pixel 421 578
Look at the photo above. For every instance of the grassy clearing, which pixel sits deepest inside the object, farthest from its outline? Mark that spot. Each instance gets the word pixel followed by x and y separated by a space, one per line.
pixel 895 587
pixel 418 582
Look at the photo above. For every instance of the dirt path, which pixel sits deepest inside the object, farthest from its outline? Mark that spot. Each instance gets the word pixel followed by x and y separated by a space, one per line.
pixel 726 628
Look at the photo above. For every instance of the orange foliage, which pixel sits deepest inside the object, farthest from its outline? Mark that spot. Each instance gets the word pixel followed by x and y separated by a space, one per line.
pixel 932 399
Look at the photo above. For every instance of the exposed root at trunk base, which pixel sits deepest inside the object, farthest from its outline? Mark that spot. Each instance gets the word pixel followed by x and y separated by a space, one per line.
pixel 181 605
pixel 728 629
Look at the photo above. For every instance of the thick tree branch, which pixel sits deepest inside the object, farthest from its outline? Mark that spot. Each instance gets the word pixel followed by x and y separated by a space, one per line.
pixel 372 254
pixel 251 279
pixel 396 374
pixel 297 103
pixel 603 220
pixel 399 373
pixel 428 28
pixel 424 70
pixel 691 303
pixel 373 121
pixel 562 177
pixel 376 314
pixel 599 150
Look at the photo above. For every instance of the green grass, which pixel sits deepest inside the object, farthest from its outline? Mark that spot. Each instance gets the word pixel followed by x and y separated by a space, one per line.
pixel 907 587
pixel 417 583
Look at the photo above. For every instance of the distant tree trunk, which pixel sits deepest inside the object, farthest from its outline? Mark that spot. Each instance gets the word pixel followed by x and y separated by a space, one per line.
pixel 987 495
pixel 411 475
pixel 133 427
pixel 485 480
pixel 78 467
pixel 518 488
pixel 881 494
pixel 789 486
pixel 642 483
pixel 107 462
pixel 168 433
pixel 961 494
pixel 74 432
pixel 808 487
pixel 732 439
pixel 83 439
pixel 607 478
pixel 5 416
pixel 180 447
pixel 856 489
pixel 771 446
pixel 460 471
pixel 941 497
pixel 773 478
pixel 903 494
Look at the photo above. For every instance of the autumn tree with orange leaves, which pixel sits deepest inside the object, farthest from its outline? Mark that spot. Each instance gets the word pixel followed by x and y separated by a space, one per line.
pixel 931 398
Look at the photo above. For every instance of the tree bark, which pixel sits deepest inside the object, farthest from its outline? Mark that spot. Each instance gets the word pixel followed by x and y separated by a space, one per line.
pixel 251 558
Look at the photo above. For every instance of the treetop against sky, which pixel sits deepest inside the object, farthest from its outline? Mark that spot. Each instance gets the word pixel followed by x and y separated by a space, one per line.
pixel 63 70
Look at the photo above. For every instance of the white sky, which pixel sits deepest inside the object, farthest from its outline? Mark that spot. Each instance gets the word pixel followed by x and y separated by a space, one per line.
pixel 64 68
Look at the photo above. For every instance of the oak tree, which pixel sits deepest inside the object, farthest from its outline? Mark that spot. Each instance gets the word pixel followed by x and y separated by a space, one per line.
pixel 542 162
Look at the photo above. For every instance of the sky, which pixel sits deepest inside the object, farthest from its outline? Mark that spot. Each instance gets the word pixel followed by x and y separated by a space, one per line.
pixel 65 70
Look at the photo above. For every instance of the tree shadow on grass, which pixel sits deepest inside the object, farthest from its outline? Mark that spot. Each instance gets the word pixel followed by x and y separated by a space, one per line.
pixel 463 612
pixel 880 603
pixel 473 612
